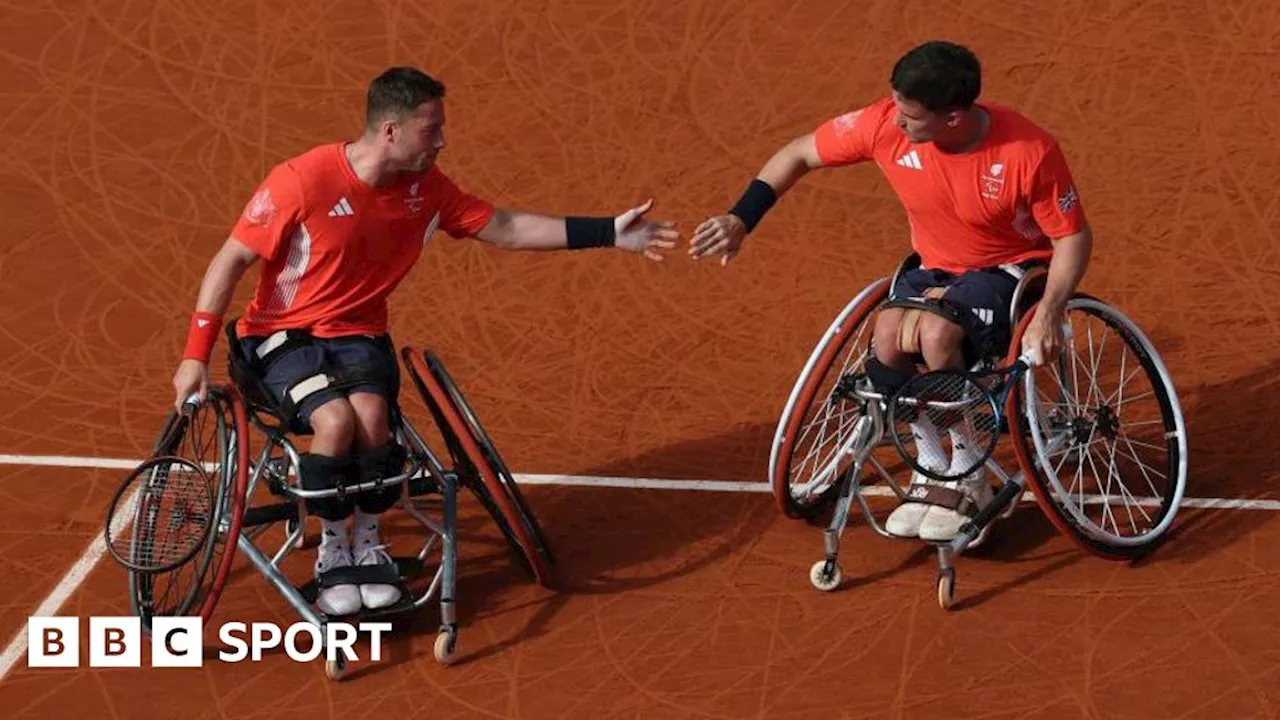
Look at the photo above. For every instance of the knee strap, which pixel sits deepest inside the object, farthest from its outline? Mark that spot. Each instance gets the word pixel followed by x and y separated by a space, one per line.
pixel 914 309
pixel 884 379
pixel 323 472
pixel 382 462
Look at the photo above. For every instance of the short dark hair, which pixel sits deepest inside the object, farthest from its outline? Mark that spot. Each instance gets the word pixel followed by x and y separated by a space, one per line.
pixel 940 75
pixel 399 91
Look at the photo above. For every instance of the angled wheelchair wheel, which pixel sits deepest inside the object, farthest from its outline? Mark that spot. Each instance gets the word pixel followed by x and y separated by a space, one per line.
pixel 491 454
pixel 480 469
pixel 821 416
pixel 208 436
pixel 1100 433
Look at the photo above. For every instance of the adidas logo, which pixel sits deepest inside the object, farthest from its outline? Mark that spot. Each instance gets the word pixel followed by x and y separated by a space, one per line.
pixel 986 315
pixel 342 209
pixel 911 160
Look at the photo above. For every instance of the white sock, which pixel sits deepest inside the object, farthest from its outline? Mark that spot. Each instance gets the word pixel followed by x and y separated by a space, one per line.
pixel 333 532
pixel 964 453
pixel 366 529
pixel 929 452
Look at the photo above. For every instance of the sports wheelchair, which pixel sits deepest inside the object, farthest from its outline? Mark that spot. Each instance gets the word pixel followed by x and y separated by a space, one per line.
pixel 178 520
pixel 1088 433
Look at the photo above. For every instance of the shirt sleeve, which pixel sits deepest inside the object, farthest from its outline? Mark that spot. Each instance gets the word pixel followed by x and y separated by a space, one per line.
pixel 461 213
pixel 1055 202
pixel 851 138
pixel 272 214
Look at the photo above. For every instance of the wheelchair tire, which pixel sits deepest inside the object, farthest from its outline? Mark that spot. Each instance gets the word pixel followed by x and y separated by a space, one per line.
pixel 1035 414
pixel 491 454
pixel 810 394
pixel 475 468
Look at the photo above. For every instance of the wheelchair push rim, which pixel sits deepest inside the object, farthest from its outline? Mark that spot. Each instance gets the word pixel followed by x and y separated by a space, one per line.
pixel 470 459
pixel 804 469
pixel 1084 420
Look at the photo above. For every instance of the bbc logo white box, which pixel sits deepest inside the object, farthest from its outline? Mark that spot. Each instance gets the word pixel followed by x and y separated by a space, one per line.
pixel 115 641
pixel 177 642
pixel 53 642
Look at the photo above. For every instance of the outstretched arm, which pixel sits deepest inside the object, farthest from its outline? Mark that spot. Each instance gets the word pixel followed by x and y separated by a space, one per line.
pixel 631 231
pixel 725 233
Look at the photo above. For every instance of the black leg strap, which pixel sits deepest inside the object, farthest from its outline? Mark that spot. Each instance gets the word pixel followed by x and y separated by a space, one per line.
pixel 323 472
pixel 884 379
pixel 382 462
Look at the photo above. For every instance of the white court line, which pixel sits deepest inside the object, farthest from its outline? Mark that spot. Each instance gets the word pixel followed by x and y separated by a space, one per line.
pixel 78 572
pixel 71 461
pixel 69 582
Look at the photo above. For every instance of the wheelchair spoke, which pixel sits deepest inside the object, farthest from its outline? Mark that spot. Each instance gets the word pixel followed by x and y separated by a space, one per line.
pixel 1071 400
pixel 1142 423
pixel 1125 493
pixel 822 427
pixel 1146 470
pixel 1097 358
pixel 1105 493
pixel 1145 444
pixel 838 441
pixel 825 450
pixel 1124 487
pixel 1095 392
pixel 1066 455
pixel 1114 398
pixel 1133 398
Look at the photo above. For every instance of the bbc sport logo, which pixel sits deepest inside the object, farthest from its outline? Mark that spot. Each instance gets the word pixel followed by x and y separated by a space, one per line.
pixel 178 642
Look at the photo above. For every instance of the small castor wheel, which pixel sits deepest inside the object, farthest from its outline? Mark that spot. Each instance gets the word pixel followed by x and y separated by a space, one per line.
pixel 947 588
pixel 825 575
pixel 446 648
pixel 336 668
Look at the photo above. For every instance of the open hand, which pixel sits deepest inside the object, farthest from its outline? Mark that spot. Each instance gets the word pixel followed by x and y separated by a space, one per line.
pixel 720 234
pixel 636 234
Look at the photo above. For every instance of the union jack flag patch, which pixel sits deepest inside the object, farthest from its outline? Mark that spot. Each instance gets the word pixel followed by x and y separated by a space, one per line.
pixel 1068 200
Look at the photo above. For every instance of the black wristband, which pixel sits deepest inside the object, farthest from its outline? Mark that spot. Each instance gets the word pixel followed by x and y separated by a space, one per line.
pixel 758 198
pixel 589 232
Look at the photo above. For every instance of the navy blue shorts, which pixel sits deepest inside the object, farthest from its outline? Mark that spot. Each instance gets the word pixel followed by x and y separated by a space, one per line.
pixel 317 355
pixel 983 298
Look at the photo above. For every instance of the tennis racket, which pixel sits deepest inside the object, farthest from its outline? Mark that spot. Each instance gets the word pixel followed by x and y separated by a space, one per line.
pixel 963 407
pixel 161 515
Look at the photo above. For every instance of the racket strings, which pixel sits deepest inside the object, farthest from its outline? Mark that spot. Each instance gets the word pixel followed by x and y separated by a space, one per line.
pixel 952 421
pixel 170 516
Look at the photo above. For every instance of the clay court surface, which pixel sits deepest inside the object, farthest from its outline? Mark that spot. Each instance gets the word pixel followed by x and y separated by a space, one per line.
pixel 137 130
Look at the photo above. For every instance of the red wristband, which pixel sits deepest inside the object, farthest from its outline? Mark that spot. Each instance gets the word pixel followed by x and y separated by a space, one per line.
pixel 202 336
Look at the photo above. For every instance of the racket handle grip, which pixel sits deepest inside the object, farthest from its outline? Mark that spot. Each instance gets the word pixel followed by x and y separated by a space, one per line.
pixel 1007 494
